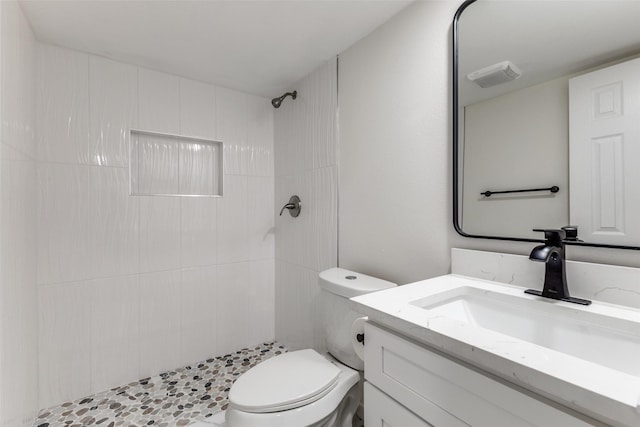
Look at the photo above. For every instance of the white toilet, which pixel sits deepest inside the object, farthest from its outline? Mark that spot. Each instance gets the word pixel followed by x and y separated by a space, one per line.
pixel 304 388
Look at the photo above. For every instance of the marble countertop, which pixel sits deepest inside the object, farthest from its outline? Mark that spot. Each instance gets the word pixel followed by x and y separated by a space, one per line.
pixel 609 395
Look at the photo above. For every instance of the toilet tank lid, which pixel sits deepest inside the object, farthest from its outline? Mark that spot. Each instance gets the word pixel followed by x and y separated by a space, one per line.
pixel 351 284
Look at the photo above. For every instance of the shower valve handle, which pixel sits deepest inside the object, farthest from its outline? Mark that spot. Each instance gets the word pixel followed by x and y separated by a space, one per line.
pixel 287 206
pixel 294 206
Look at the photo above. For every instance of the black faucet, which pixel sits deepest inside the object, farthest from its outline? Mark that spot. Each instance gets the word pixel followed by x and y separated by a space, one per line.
pixel 555 279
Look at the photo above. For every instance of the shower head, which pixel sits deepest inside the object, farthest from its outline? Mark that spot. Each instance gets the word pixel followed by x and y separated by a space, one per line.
pixel 276 102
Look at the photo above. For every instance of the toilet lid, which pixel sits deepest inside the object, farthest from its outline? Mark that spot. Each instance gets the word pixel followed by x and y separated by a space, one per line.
pixel 284 382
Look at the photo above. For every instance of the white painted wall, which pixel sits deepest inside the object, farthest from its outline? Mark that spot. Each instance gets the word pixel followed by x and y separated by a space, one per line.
pixel 18 300
pixel 515 141
pixel 394 97
pixel 131 286
pixel 305 154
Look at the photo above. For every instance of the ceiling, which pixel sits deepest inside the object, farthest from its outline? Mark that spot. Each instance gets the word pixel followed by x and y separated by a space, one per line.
pixel 545 39
pixel 261 47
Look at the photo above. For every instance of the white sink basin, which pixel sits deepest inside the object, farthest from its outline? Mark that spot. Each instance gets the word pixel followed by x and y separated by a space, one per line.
pixel 558 327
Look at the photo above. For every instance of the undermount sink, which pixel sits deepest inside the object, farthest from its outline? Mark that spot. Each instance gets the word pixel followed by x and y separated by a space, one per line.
pixel 556 326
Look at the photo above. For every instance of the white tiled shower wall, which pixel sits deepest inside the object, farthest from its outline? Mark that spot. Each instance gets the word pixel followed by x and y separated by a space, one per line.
pixel 131 286
pixel 306 165
pixel 18 302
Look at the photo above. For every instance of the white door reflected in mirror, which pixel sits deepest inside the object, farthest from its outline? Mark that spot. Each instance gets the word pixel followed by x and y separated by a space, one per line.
pixel 604 145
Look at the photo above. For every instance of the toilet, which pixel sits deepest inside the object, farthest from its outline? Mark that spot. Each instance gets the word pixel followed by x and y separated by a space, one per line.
pixel 305 388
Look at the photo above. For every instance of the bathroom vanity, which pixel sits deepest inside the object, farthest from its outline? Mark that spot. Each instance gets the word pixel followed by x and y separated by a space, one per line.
pixel 458 350
pixel 473 348
pixel 443 391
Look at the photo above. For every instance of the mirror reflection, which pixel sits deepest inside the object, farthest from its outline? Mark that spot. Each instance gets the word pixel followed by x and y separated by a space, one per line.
pixel 549 96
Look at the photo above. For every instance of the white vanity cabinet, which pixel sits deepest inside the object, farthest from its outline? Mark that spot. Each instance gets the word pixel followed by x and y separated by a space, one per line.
pixel 409 385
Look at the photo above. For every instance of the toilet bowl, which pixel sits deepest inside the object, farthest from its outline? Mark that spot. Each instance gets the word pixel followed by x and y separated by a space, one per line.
pixel 305 388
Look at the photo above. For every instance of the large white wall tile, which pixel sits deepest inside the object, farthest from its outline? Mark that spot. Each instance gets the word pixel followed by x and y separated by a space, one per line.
pixel 65 342
pixel 155 165
pixel 260 215
pixel 159 322
pixel 18 71
pixel 199 295
pixel 296 242
pixel 113 110
pixel 63 228
pixel 199 231
pixel 18 292
pixel 17 197
pixel 322 108
pixel 293 152
pixel 294 306
pixel 113 223
pixel 62 105
pixel 233 307
pixel 285 234
pixel 18 289
pixel 261 298
pixel 197 109
pixel 281 139
pixel 115 330
pixel 158 101
pixel 159 233
pixel 158 111
pixel 260 137
pixel 199 169
pixel 233 235
pixel 231 129
pixel 306 128
pixel 324 217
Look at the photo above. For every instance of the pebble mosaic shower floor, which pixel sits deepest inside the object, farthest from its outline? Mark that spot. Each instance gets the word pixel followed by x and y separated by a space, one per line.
pixel 175 398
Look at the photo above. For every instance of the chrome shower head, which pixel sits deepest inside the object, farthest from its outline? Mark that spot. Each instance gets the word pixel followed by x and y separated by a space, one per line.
pixel 276 102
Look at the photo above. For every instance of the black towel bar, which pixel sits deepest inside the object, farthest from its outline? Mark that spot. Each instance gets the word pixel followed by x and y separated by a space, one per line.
pixel 553 189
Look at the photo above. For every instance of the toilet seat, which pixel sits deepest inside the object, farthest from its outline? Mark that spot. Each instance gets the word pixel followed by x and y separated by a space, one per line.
pixel 276 384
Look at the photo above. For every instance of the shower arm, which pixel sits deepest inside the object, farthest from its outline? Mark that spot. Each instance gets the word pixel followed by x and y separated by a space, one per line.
pixel 276 102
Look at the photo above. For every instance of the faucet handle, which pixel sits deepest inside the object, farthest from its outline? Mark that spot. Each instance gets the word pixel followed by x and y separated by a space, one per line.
pixel 571 233
pixel 552 236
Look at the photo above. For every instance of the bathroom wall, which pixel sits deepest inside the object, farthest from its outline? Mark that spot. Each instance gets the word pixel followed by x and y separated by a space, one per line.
pixel 528 150
pixel 18 301
pixel 394 89
pixel 306 165
pixel 129 286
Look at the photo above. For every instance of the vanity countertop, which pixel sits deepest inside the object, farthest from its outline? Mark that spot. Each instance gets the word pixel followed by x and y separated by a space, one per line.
pixel 596 385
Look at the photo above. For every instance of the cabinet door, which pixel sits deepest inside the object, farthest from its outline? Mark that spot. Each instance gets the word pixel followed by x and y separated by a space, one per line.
pixel 436 387
pixel 382 411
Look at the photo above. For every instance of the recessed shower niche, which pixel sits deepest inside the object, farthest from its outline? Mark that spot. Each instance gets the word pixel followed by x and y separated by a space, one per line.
pixel 162 164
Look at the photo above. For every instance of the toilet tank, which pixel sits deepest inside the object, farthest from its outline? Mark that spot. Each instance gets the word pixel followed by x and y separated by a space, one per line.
pixel 338 285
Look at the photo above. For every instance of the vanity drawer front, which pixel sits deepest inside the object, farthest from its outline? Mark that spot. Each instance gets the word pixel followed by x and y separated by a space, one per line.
pixel 382 411
pixel 432 385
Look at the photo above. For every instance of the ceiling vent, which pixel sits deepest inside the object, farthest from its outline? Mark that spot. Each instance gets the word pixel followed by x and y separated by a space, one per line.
pixel 495 74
